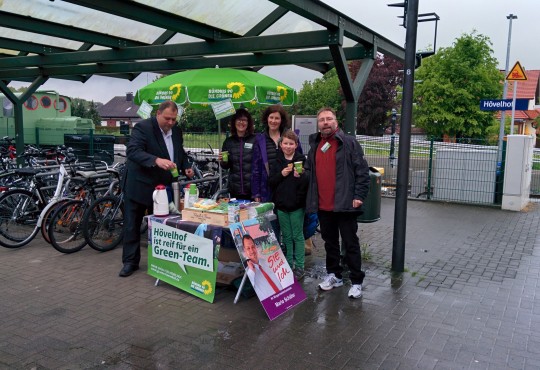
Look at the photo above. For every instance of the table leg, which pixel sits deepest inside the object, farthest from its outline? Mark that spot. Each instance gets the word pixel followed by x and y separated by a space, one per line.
pixel 240 288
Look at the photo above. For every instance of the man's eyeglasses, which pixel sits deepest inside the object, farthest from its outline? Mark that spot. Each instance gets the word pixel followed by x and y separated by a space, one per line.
pixel 325 119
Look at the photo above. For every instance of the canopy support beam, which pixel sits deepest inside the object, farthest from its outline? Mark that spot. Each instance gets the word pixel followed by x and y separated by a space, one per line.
pixel 18 110
pixel 351 89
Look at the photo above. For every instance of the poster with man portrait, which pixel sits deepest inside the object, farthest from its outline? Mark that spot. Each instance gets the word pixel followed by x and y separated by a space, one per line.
pixel 266 266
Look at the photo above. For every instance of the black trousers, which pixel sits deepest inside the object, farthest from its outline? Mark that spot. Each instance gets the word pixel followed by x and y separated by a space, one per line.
pixel 133 216
pixel 334 224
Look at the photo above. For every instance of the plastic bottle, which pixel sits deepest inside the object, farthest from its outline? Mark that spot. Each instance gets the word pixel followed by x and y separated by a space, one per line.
pixel 193 195
pixel 233 212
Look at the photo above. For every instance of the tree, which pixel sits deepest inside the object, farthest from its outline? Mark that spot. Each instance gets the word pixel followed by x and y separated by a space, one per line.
pixel 85 109
pixel 379 94
pixel 322 92
pixel 93 114
pixel 451 84
pixel 78 107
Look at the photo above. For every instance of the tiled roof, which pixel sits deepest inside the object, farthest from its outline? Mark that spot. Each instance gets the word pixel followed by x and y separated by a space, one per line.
pixel 525 89
pixel 119 107
pixel 522 114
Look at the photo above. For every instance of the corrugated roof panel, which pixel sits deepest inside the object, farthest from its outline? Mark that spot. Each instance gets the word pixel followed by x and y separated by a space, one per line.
pixel 9 52
pixel 292 22
pixel 39 38
pixel 77 16
pixel 238 16
pixel 180 38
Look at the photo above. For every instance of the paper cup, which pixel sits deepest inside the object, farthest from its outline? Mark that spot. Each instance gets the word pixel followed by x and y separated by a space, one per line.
pixel 225 156
pixel 174 172
pixel 298 167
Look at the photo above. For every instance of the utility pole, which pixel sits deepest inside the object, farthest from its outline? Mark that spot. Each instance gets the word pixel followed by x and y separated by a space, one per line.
pixel 400 214
pixel 505 90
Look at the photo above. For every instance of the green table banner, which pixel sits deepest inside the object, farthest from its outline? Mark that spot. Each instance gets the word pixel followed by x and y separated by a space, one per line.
pixel 182 259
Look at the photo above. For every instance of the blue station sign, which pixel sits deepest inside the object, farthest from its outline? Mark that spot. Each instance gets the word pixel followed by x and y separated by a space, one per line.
pixel 503 104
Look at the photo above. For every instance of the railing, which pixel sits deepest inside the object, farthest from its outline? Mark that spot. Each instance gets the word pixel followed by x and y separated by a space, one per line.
pixel 462 172
pixel 455 172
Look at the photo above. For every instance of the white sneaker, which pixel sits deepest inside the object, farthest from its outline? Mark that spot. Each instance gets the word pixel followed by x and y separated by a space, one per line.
pixel 330 282
pixel 355 291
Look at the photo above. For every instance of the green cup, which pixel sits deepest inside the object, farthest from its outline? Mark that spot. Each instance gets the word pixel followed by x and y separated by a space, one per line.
pixel 225 156
pixel 174 172
pixel 298 167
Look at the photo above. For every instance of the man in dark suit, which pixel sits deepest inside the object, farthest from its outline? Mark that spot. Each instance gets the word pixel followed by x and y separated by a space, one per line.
pixel 154 149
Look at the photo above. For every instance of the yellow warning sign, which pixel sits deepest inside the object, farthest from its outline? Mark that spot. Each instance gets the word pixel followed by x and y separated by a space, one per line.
pixel 517 73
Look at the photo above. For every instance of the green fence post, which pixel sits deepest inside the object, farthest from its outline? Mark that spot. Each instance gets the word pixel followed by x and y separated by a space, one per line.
pixel 430 168
pixel 91 146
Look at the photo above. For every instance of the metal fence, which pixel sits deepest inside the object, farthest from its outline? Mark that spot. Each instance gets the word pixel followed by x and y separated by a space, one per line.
pixel 467 172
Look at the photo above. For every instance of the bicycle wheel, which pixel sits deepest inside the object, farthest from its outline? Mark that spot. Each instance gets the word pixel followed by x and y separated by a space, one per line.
pixel 46 221
pixel 104 223
pixel 19 212
pixel 65 227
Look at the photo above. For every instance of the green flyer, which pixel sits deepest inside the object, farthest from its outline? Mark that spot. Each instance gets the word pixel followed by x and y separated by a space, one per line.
pixel 184 260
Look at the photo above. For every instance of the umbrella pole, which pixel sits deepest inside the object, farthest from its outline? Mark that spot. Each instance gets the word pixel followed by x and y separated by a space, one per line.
pixel 219 162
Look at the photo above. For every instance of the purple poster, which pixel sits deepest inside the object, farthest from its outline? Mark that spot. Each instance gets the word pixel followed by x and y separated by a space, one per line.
pixel 266 266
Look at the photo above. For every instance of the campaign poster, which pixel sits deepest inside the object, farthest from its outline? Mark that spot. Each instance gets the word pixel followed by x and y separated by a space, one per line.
pixel 304 126
pixel 266 266
pixel 185 260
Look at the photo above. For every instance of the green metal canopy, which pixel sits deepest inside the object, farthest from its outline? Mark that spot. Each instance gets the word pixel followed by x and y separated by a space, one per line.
pixel 76 39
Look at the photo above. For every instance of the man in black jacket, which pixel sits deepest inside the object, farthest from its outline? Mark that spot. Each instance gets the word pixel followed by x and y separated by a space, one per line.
pixel 338 186
pixel 154 150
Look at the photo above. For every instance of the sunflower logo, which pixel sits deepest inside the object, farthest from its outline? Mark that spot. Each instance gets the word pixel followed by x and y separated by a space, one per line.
pixel 178 88
pixel 208 287
pixel 283 96
pixel 241 89
pixel 253 102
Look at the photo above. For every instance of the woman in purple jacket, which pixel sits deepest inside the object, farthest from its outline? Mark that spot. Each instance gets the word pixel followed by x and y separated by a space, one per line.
pixel 275 121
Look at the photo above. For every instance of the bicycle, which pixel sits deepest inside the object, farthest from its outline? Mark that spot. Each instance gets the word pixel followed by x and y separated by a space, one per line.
pixel 23 211
pixel 205 172
pixel 65 229
pixel 103 221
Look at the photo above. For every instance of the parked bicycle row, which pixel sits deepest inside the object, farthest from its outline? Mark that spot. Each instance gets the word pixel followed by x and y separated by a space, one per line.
pixel 73 204
pixel 58 200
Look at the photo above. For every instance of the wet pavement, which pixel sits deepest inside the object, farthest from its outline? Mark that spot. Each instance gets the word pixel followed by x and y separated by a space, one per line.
pixel 466 301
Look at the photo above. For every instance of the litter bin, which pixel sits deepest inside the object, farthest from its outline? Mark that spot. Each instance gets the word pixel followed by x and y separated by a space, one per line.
pixel 124 128
pixel 81 144
pixel 372 204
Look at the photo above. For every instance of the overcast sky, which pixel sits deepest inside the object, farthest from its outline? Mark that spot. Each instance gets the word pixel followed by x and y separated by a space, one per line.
pixel 487 17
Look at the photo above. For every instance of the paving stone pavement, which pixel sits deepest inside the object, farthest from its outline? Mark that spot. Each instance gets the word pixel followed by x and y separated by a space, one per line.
pixel 466 301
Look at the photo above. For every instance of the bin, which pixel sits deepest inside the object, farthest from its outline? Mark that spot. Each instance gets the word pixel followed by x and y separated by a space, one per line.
pixel 124 128
pixel 83 149
pixel 372 203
